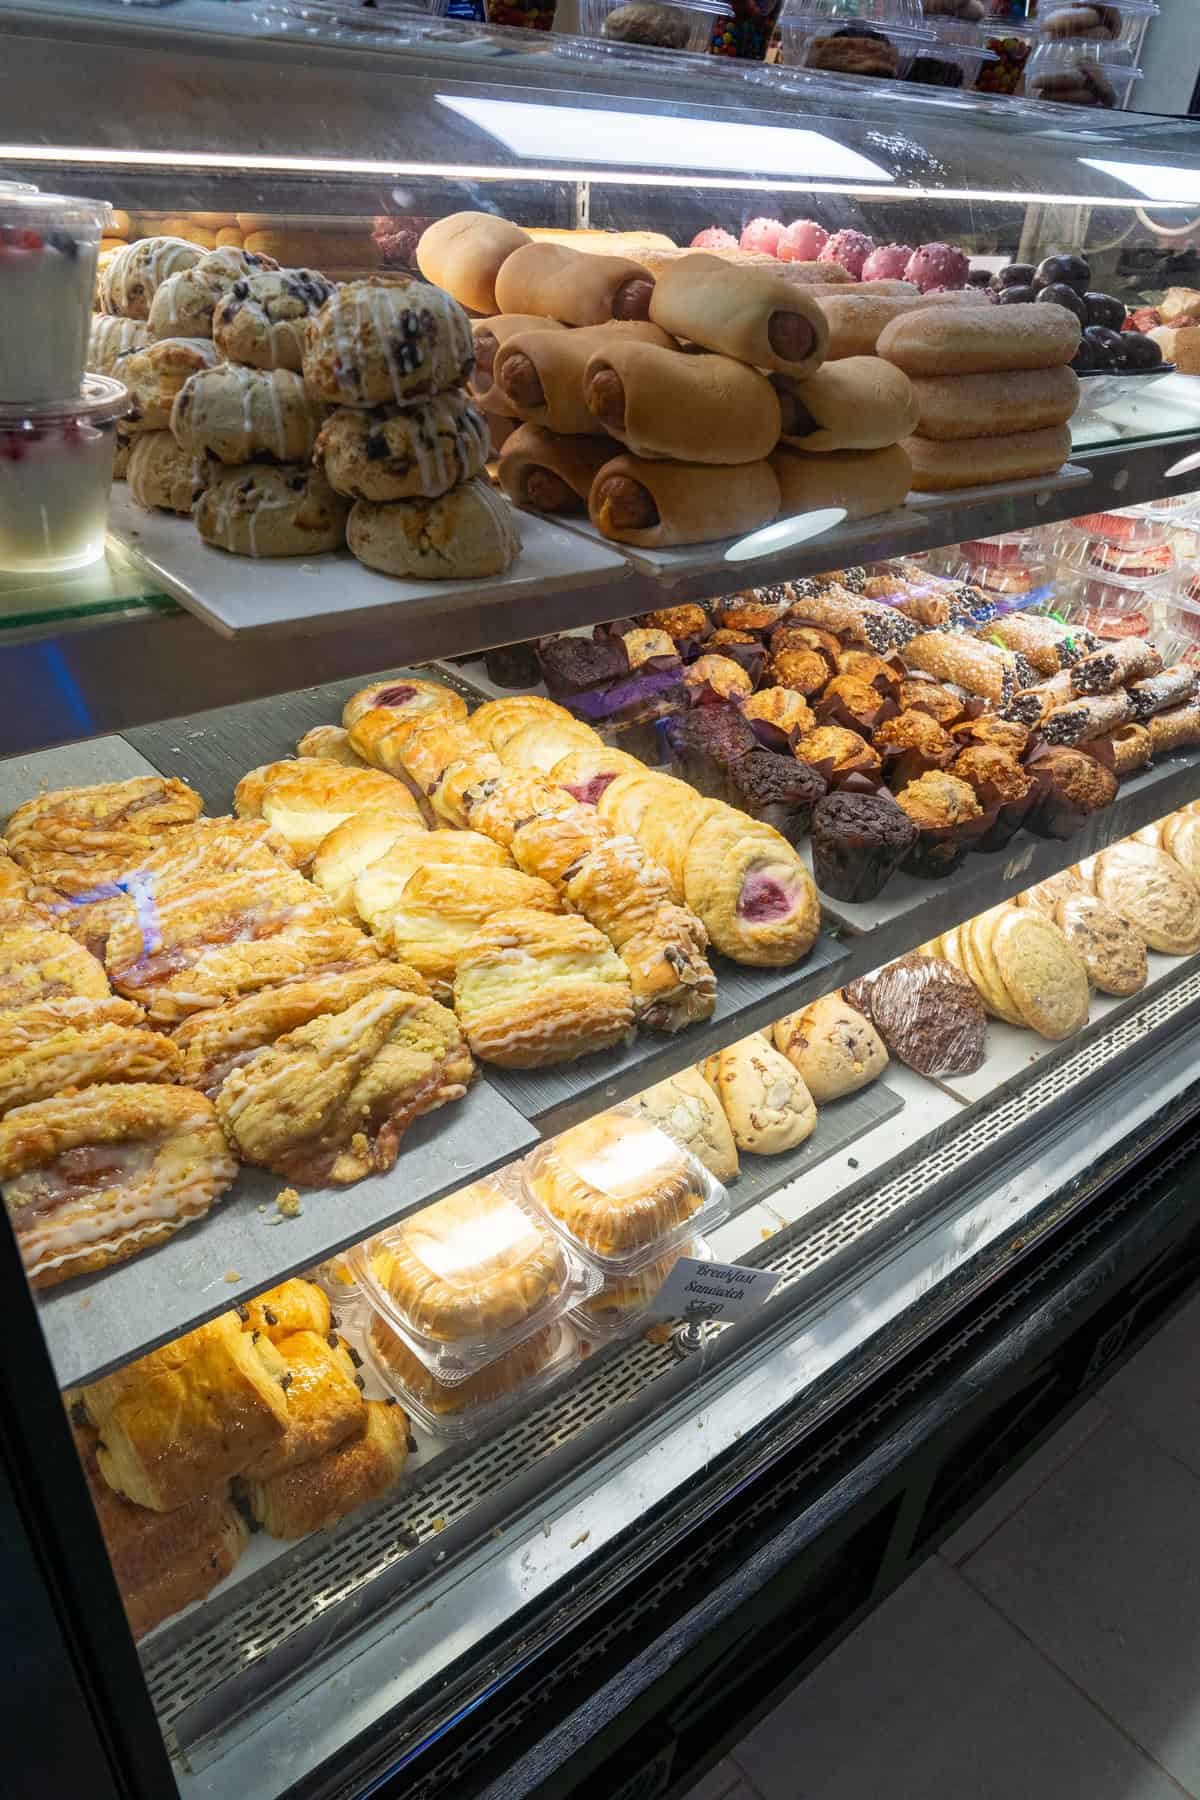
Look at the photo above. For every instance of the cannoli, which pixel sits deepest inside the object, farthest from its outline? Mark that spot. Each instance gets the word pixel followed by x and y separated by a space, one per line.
pixel 1081 720
pixel 538 375
pixel 463 253
pixel 489 334
pixel 573 285
pixel 706 409
pixel 1129 659
pixel 976 340
pixel 1172 730
pixel 1131 749
pixel 1173 687
pixel 744 313
pixel 551 472
pixel 656 504
pixel 862 621
pixel 978 461
pixel 979 668
pixel 1048 644
pixel 863 481
pixel 859 403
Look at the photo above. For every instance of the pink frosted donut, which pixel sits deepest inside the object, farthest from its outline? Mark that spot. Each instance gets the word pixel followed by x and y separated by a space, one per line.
pixel 937 266
pixel 849 248
pixel 761 235
pixel 802 242
pixel 888 263
pixel 714 237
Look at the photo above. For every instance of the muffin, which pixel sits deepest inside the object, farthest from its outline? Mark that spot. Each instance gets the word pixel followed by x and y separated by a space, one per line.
pixel 725 636
pixel 1000 784
pixel 939 805
pixel 996 733
pixel 724 676
pixel 1071 786
pixel 679 622
pixel 868 667
pixel 858 843
pixel 941 703
pixel 776 789
pixel 704 743
pixel 837 752
pixel 573 665
pixel 791 636
pixel 756 610
pixel 806 671
pixel 512 665
pixel 779 709
pixel 850 701
pixel 911 744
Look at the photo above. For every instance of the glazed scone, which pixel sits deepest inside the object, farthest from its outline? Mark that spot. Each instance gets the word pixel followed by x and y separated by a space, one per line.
pixel 533 988
pixel 260 319
pixel 688 1108
pixel 768 1106
pixel 469 532
pixel 833 1046
pixel 154 376
pixel 386 342
pixel 617 1183
pixel 160 474
pixel 135 274
pixel 110 337
pixel 394 454
pixel 261 509
pixel 331 1100
pixel 238 414
pixel 184 303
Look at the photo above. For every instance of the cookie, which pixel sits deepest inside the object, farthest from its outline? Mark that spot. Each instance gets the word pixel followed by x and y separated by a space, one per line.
pixel 1180 838
pixel 768 1106
pixel 469 532
pixel 155 373
pixel 1045 895
pixel 264 509
pixel 240 415
pixel 1046 979
pixel 688 1109
pixel 927 1012
pixel 261 319
pixel 1153 894
pixel 390 454
pixel 835 1048
pixel 976 939
pixel 160 474
pixel 1113 953
pixel 387 342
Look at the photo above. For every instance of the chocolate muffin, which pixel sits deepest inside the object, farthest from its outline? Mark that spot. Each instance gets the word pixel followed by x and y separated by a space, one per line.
pixel 806 671
pixel 926 1012
pixel 704 743
pixel 939 805
pixel 844 751
pixel 571 665
pixel 776 789
pixel 940 702
pixel 1071 786
pixel 858 843
pixel 512 665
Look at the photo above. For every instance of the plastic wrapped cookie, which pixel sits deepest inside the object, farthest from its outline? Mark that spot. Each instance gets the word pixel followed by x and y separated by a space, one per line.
pixel 470 531
pixel 261 318
pixel 238 414
pixel 403 454
pixel 381 342
pixel 263 509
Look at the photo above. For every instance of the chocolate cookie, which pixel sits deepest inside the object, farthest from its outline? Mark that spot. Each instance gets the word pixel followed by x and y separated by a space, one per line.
pixel 927 1013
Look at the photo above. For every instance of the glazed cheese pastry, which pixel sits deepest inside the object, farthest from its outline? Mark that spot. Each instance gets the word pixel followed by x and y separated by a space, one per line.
pixel 443 905
pixel 379 888
pixel 352 847
pixel 755 896
pixel 94 1177
pixel 330 1101
pixel 294 1305
pixel 179 1422
pixel 616 1183
pixel 37 964
pixel 406 697
pixel 221 1039
pixel 77 1057
pixel 535 988
pixel 79 838
pixel 387 341
pixel 330 743
pixel 324 1405
pixel 198 943
pixel 305 804
pixel 497 720
pixel 545 742
pixel 314 1495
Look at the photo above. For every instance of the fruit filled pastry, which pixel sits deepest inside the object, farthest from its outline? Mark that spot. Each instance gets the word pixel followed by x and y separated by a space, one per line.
pixel 314 1495
pixel 37 963
pixel 304 801
pixel 406 697
pixel 535 988
pixel 213 1043
pixel 350 348
pixel 76 1056
pixel 95 1177
pixel 325 1406
pixel 584 774
pixel 754 895
pixel 330 1101
pixel 79 838
pixel 616 1183
pixel 191 945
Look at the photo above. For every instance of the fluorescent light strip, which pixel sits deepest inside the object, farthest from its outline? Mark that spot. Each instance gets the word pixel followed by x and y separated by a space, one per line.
pixel 317 165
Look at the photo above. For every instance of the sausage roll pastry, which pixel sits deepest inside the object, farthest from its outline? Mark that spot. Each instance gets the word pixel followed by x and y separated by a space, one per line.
pixel 293 1306
pixel 79 1057
pixel 222 1038
pixel 181 1421
pixel 94 1177
pixel 331 1101
pixel 352 847
pixel 324 1404
pixel 616 1183
pixel 79 838
pixel 304 802
pixel 533 988
pixel 38 964
pixel 748 885
pixel 315 1495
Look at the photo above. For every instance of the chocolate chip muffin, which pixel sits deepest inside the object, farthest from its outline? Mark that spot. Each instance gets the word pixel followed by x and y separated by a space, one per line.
pixel 1001 786
pixel 679 622
pixel 845 752
pixel 1072 785
pixel 911 744
pixel 858 843
pixel 776 789
pixel 704 743
pixel 806 671
pixel 848 700
pixel 940 702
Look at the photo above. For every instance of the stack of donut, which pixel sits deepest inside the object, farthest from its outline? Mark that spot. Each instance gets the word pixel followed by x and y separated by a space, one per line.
pixel 593 407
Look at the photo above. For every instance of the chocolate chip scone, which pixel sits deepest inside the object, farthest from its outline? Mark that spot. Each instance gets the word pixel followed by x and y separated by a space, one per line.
pixel 387 342
pixel 240 415
pixel 390 454
pixel 261 319
pixel 264 509
pixel 471 531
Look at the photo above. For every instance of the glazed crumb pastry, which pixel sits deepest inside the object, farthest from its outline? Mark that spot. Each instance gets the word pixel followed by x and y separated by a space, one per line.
pixel 535 988
pixel 77 1057
pixel 314 1495
pixel 379 887
pixel 78 838
pixel 324 1405
pixel 211 847
pixel 179 1422
pixel 40 964
pixel 24 1027
pixel 755 896
pixel 294 1305
pixel 616 1183
pixel 471 1266
pixel 405 697
pixel 352 847
pixel 782 707
pixel 215 1042
pixel 304 804
pixel 331 743
pixel 95 1177
pixel 330 1101
pixel 495 1381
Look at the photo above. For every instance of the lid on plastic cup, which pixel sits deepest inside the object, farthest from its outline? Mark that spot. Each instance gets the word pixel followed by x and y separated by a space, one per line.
pixel 100 401
pixel 34 211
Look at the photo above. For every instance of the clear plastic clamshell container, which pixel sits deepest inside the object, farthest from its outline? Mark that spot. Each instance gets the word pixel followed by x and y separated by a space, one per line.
pixel 1105 604
pixel 1113 29
pixel 660 24
pixel 467 1409
pixel 466 1280
pixel 48 249
pixel 621 1191
pixel 858 47
pixel 1135 549
pixel 626 1303
pixel 1071 74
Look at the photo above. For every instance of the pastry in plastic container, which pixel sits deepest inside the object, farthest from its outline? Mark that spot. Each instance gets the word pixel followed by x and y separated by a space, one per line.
pixel 677 25
pixel 1123 544
pixel 467 1409
pixel 1112 31
pixel 1070 72
pixel 626 1303
pixel 469 1278
pixel 621 1190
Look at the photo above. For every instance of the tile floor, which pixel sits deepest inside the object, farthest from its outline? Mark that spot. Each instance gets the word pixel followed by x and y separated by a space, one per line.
pixel 1051 1651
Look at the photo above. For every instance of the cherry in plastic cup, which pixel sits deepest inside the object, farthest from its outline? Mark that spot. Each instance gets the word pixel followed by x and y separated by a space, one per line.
pixel 56 463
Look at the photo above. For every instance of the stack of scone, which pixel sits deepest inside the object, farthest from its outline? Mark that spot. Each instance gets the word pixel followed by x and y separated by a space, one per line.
pixel 265 1420
pixel 993 390
pixel 405 444
pixel 593 407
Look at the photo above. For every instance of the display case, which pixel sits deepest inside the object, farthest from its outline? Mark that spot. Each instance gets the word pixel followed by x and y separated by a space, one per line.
pixel 533 1437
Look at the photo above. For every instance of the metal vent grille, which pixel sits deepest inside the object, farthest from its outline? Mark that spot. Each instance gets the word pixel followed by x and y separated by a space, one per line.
pixel 319 1575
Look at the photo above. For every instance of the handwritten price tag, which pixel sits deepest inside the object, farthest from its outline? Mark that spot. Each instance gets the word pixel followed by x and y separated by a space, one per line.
pixel 707 1290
